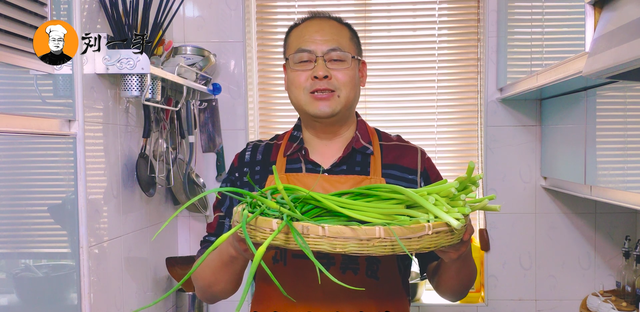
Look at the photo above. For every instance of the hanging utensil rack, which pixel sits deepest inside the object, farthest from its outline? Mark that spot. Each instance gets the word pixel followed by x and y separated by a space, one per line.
pixel 127 63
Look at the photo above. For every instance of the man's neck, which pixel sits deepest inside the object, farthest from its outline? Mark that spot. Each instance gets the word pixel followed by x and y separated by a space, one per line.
pixel 326 141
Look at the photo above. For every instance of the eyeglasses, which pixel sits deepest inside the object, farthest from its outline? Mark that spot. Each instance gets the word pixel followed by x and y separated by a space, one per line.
pixel 333 60
pixel 57 40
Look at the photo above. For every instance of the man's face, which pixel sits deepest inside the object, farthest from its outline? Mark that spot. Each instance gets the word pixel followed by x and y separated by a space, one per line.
pixel 322 93
pixel 56 42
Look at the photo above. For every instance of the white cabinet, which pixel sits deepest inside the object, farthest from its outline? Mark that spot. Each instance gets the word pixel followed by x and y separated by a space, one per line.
pixel 591 143
pixel 563 137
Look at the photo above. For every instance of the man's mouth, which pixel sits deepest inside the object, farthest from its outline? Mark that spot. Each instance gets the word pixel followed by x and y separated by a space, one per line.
pixel 322 91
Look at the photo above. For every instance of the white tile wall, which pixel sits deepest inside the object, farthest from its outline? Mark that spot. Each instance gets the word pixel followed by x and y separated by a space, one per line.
pixel 511 275
pixel 103 182
pixel 126 268
pixel 106 271
pixel 555 202
pixel 100 102
pixel 135 263
pixel 565 262
pixel 510 170
pixel 214 20
pixel 512 113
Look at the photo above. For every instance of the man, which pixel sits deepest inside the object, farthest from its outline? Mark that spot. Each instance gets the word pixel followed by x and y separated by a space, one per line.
pixel 56 43
pixel 330 147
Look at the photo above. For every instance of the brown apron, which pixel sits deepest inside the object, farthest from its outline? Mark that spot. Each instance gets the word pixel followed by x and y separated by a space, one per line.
pixel 297 274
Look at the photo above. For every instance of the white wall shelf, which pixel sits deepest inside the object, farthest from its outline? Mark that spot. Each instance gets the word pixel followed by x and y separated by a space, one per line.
pixel 128 62
pixel 562 78
pixel 176 82
pixel 598 193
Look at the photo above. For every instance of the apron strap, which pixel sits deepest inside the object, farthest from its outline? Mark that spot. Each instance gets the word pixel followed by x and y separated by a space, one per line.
pixel 281 162
pixel 376 158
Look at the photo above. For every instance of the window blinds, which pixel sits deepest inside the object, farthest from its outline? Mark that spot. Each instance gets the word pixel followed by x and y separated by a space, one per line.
pixel 541 33
pixel 19 20
pixel 423 71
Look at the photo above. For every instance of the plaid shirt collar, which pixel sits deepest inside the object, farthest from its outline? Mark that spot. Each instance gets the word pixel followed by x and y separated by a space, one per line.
pixel 361 140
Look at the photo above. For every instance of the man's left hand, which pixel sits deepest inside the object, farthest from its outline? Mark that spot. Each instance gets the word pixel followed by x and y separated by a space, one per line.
pixel 455 251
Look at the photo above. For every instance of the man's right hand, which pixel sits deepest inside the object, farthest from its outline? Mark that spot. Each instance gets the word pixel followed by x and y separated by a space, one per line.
pixel 239 244
pixel 220 274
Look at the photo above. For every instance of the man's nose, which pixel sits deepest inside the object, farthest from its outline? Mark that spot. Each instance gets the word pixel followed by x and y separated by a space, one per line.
pixel 320 71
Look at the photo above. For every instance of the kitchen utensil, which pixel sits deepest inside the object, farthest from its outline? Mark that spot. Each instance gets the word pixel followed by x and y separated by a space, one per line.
pixel 417 285
pixel 173 66
pixel 167 47
pixel 189 302
pixel 178 268
pixel 155 61
pixel 178 170
pixel 189 52
pixel 160 30
pixel 179 165
pixel 211 135
pixel 172 146
pixel 171 177
pixel 483 235
pixel 192 183
pixel 158 51
pixel 206 65
pixel 163 154
pixel 126 20
pixel 221 169
pixel 197 58
pixel 145 172
pixel 211 131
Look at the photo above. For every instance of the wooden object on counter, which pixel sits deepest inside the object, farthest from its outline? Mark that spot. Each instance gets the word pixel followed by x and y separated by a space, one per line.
pixel 617 302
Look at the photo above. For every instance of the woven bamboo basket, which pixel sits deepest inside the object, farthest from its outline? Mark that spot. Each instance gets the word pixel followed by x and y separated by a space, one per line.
pixel 353 240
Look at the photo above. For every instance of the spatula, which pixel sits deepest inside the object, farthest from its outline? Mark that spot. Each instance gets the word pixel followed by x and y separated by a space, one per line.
pixel 178 268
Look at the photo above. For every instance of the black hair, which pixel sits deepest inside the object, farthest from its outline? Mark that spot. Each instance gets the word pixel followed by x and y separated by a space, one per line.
pixel 355 39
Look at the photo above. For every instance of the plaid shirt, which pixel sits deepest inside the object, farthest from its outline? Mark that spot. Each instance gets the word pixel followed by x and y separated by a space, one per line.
pixel 403 164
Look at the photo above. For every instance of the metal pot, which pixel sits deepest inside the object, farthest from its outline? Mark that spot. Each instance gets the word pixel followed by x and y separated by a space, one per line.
pixel 197 58
pixel 207 65
pixel 191 53
pixel 189 302
pixel 417 285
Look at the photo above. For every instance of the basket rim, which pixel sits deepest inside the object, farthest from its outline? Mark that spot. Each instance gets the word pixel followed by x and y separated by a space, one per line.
pixel 363 232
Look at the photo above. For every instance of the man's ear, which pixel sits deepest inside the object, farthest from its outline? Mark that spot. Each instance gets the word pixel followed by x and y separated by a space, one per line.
pixel 362 72
pixel 284 69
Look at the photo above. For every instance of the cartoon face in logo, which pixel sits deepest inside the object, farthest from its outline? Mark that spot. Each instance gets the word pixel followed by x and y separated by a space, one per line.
pixel 55 42
pixel 56 38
